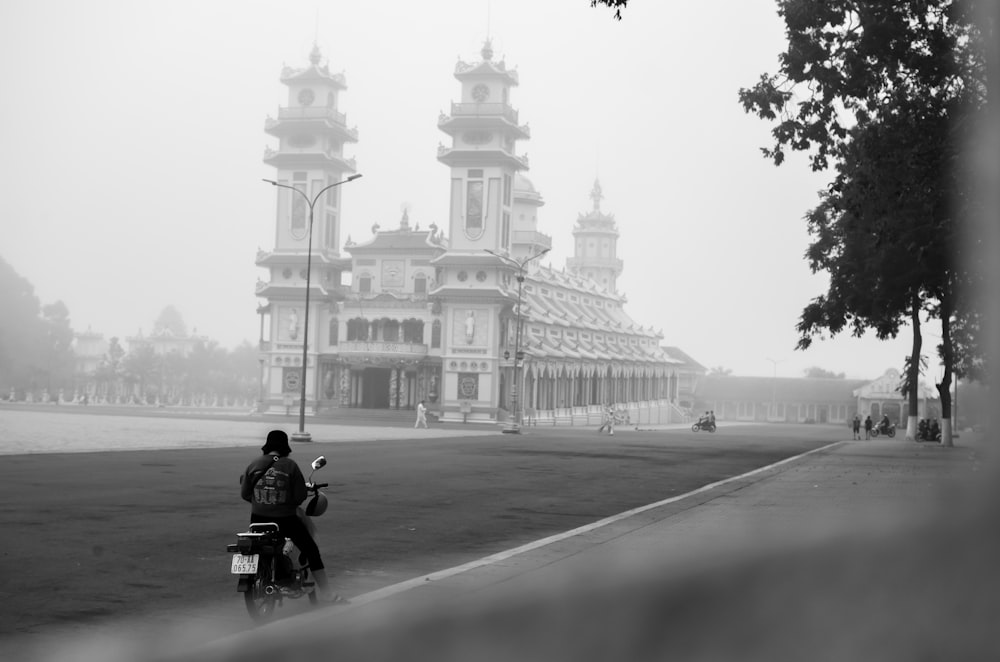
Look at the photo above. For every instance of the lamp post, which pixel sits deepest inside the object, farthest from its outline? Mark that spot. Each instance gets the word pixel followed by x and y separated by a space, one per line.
pixel 774 382
pixel 518 356
pixel 302 435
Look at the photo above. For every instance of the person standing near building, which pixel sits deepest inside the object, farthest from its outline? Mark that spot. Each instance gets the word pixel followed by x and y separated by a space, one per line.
pixel 856 425
pixel 609 420
pixel 421 415
pixel 868 427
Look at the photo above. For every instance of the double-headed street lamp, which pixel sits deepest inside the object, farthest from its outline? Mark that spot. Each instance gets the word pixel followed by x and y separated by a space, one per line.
pixel 518 354
pixel 302 435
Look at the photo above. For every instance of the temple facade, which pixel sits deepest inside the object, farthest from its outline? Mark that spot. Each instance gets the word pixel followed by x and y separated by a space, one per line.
pixel 463 316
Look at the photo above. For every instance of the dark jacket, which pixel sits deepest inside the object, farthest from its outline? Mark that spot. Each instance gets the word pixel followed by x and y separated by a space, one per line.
pixel 280 499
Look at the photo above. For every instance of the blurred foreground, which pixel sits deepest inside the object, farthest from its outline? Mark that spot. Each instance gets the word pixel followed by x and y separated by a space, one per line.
pixel 883 551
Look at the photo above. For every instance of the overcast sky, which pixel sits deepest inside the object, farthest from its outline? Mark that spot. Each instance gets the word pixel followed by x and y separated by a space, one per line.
pixel 133 138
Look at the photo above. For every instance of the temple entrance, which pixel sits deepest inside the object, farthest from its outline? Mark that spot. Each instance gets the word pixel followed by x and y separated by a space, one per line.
pixel 375 392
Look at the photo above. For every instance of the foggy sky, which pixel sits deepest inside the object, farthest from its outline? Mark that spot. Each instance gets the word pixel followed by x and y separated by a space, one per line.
pixel 133 139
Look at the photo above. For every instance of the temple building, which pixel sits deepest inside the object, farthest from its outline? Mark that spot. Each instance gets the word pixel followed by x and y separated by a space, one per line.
pixel 462 316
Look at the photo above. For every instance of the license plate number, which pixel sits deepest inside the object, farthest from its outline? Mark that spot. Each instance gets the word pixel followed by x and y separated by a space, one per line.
pixel 245 564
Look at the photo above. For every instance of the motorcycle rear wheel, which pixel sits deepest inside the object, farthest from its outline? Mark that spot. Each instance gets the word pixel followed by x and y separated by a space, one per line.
pixel 891 432
pixel 711 427
pixel 260 604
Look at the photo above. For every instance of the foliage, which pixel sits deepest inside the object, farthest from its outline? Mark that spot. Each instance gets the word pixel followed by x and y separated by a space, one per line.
pixel 35 340
pixel 881 90
pixel 617 5
pixel 815 372
pixel 719 371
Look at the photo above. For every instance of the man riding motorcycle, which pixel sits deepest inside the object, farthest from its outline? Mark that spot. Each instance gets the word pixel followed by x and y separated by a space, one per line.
pixel 280 503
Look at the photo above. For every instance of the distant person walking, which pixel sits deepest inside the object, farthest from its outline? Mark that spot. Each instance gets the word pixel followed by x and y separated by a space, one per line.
pixel 609 421
pixel 857 427
pixel 421 415
pixel 868 427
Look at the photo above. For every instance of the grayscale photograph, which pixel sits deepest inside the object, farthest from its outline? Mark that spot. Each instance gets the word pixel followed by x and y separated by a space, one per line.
pixel 499 330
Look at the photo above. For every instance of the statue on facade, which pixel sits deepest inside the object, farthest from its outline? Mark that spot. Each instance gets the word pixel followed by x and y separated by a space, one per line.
pixel 293 325
pixel 470 326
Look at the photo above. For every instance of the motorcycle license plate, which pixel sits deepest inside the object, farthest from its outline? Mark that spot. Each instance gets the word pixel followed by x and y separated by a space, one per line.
pixel 245 564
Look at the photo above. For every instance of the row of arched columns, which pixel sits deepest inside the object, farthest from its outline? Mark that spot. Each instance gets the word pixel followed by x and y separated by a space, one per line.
pixel 557 385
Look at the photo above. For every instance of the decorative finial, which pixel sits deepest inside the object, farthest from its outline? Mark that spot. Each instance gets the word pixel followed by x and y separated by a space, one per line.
pixel 487 51
pixel 404 223
pixel 375 227
pixel 315 55
pixel 596 195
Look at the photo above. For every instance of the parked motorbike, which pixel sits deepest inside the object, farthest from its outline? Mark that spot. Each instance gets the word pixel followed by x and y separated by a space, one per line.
pixel 706 425
pixel 887 430
pixel 269 566
pixel 928 432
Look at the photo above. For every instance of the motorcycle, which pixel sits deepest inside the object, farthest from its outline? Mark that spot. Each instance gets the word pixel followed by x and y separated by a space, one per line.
pixel 268 565
pixel 887 430
pixel 703 424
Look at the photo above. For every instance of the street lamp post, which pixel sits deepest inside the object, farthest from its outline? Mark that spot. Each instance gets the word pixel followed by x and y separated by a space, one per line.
pixel 518 356
pixel 302 435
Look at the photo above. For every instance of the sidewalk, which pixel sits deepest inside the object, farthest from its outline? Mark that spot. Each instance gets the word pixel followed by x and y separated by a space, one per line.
pixel 858 550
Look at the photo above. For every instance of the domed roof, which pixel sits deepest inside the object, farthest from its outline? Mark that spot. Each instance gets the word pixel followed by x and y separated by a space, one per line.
pixel 525 191
pixel 522 183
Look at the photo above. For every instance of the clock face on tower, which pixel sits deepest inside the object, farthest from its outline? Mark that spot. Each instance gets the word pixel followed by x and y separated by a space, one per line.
pixel 480 93
pixel 306 96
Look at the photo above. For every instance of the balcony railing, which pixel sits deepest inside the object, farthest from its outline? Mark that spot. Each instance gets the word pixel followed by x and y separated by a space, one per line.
pixel 481 109
pixel 270 153
pixel 531 237
pixel 444 151
pixel 312 113
pixel 597 262
pixel 382 347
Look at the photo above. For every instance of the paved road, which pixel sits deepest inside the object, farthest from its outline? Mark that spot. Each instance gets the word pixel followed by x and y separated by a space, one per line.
pixel 143 532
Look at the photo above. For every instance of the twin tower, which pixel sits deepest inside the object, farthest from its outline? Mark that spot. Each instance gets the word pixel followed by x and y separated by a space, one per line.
pixel 493 211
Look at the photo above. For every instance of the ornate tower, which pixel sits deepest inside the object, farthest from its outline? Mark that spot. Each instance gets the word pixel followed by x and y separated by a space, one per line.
pixel 483 159
pixel 311 135
pixel 595 253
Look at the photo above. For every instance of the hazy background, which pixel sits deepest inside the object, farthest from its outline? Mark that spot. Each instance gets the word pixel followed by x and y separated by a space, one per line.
pixel 133 137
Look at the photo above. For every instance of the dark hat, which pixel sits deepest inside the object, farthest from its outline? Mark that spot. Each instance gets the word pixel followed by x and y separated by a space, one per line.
pixel 277 442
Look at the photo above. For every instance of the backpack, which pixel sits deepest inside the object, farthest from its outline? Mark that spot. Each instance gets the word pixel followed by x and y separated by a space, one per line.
pixel 272 486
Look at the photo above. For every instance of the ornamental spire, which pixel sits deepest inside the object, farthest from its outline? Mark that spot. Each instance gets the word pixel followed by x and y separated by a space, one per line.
pixel 315 55
pixel 596 195
pixel 487 51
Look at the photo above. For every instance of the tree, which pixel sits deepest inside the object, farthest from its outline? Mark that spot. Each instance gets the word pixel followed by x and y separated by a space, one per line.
pixel 815 372
pixel 883 87
pixel 35 341
pixel 719 371
pixel 57 346
pixel 617 5
pixel 141 366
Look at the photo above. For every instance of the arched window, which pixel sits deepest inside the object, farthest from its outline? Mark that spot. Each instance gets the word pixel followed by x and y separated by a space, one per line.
pixel 390 331
pixel 413 331
pixel 357 329
pixel 436 334
pixel 420 284
pixel 365 284
pixel 334 331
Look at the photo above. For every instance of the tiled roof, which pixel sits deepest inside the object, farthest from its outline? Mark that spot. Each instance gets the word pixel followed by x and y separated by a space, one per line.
pixel 395 240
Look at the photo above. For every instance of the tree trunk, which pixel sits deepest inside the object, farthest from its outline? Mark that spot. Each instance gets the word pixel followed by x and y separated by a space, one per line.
pixel 944 388
pixel 913 379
